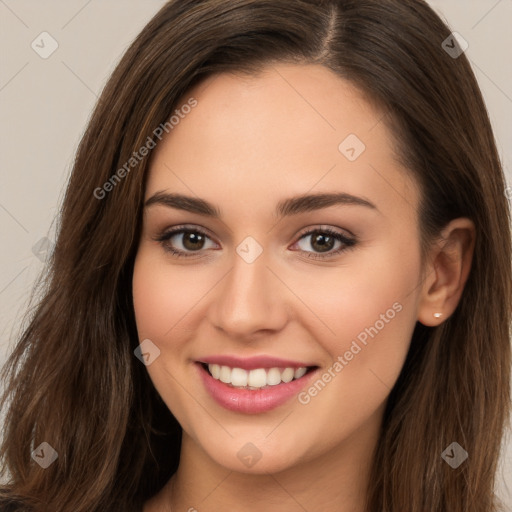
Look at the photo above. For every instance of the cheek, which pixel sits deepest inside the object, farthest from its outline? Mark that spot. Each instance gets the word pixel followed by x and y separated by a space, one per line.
pixel 162 295
pixel 162 298
pixel 366 290
pixel 372 315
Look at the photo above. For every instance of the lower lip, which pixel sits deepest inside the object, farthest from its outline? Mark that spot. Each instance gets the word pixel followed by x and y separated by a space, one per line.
pixel 252 401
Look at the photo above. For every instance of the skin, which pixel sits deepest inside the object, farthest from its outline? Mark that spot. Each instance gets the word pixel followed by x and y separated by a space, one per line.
pixel 249 143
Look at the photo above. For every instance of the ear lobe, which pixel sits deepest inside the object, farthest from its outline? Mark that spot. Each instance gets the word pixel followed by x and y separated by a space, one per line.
pixel 447 272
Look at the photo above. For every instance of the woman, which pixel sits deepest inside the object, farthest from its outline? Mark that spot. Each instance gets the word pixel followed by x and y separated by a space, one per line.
pixel 282 279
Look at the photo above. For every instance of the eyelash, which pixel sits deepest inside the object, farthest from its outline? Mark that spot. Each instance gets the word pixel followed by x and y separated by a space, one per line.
pixel 348 243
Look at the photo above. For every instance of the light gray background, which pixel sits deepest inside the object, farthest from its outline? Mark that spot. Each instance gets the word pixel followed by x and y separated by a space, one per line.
pixel 45 105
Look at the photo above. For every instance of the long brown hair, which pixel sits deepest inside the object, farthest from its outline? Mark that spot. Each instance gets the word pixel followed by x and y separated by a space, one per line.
pixel 73 380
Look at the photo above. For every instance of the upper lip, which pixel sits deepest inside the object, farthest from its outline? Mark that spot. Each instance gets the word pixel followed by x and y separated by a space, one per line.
pixel 251 363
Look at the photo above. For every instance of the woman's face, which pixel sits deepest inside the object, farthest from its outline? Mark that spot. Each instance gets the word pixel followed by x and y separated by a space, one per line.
pixel 311 260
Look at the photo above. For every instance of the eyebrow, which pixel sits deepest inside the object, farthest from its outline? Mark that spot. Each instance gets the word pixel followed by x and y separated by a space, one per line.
pixel 287 207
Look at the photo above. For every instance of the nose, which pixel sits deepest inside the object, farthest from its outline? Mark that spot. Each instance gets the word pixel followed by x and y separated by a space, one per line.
pixel 250 300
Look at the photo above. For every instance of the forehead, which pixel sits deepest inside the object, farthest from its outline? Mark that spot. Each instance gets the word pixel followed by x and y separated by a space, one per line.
pixel 285 131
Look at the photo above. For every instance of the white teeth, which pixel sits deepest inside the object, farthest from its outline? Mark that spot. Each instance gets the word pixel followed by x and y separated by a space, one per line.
pixel 225 374
pixel 215 370
pixel 257 378
pixel 299 372
pixel 273 377
pixel 287 375
pixel 239 377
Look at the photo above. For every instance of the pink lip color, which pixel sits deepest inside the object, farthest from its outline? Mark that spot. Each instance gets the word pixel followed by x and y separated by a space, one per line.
pixel 250 363
pixel 252 401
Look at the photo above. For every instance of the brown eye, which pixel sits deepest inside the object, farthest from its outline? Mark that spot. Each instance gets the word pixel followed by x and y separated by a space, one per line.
pixel 324 243
pixel 184 242
pixel 192 241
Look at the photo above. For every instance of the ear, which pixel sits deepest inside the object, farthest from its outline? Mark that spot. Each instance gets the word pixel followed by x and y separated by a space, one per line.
pixel 449 263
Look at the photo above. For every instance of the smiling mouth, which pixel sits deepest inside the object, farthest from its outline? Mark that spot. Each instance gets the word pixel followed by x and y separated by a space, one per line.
pixel 257 378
